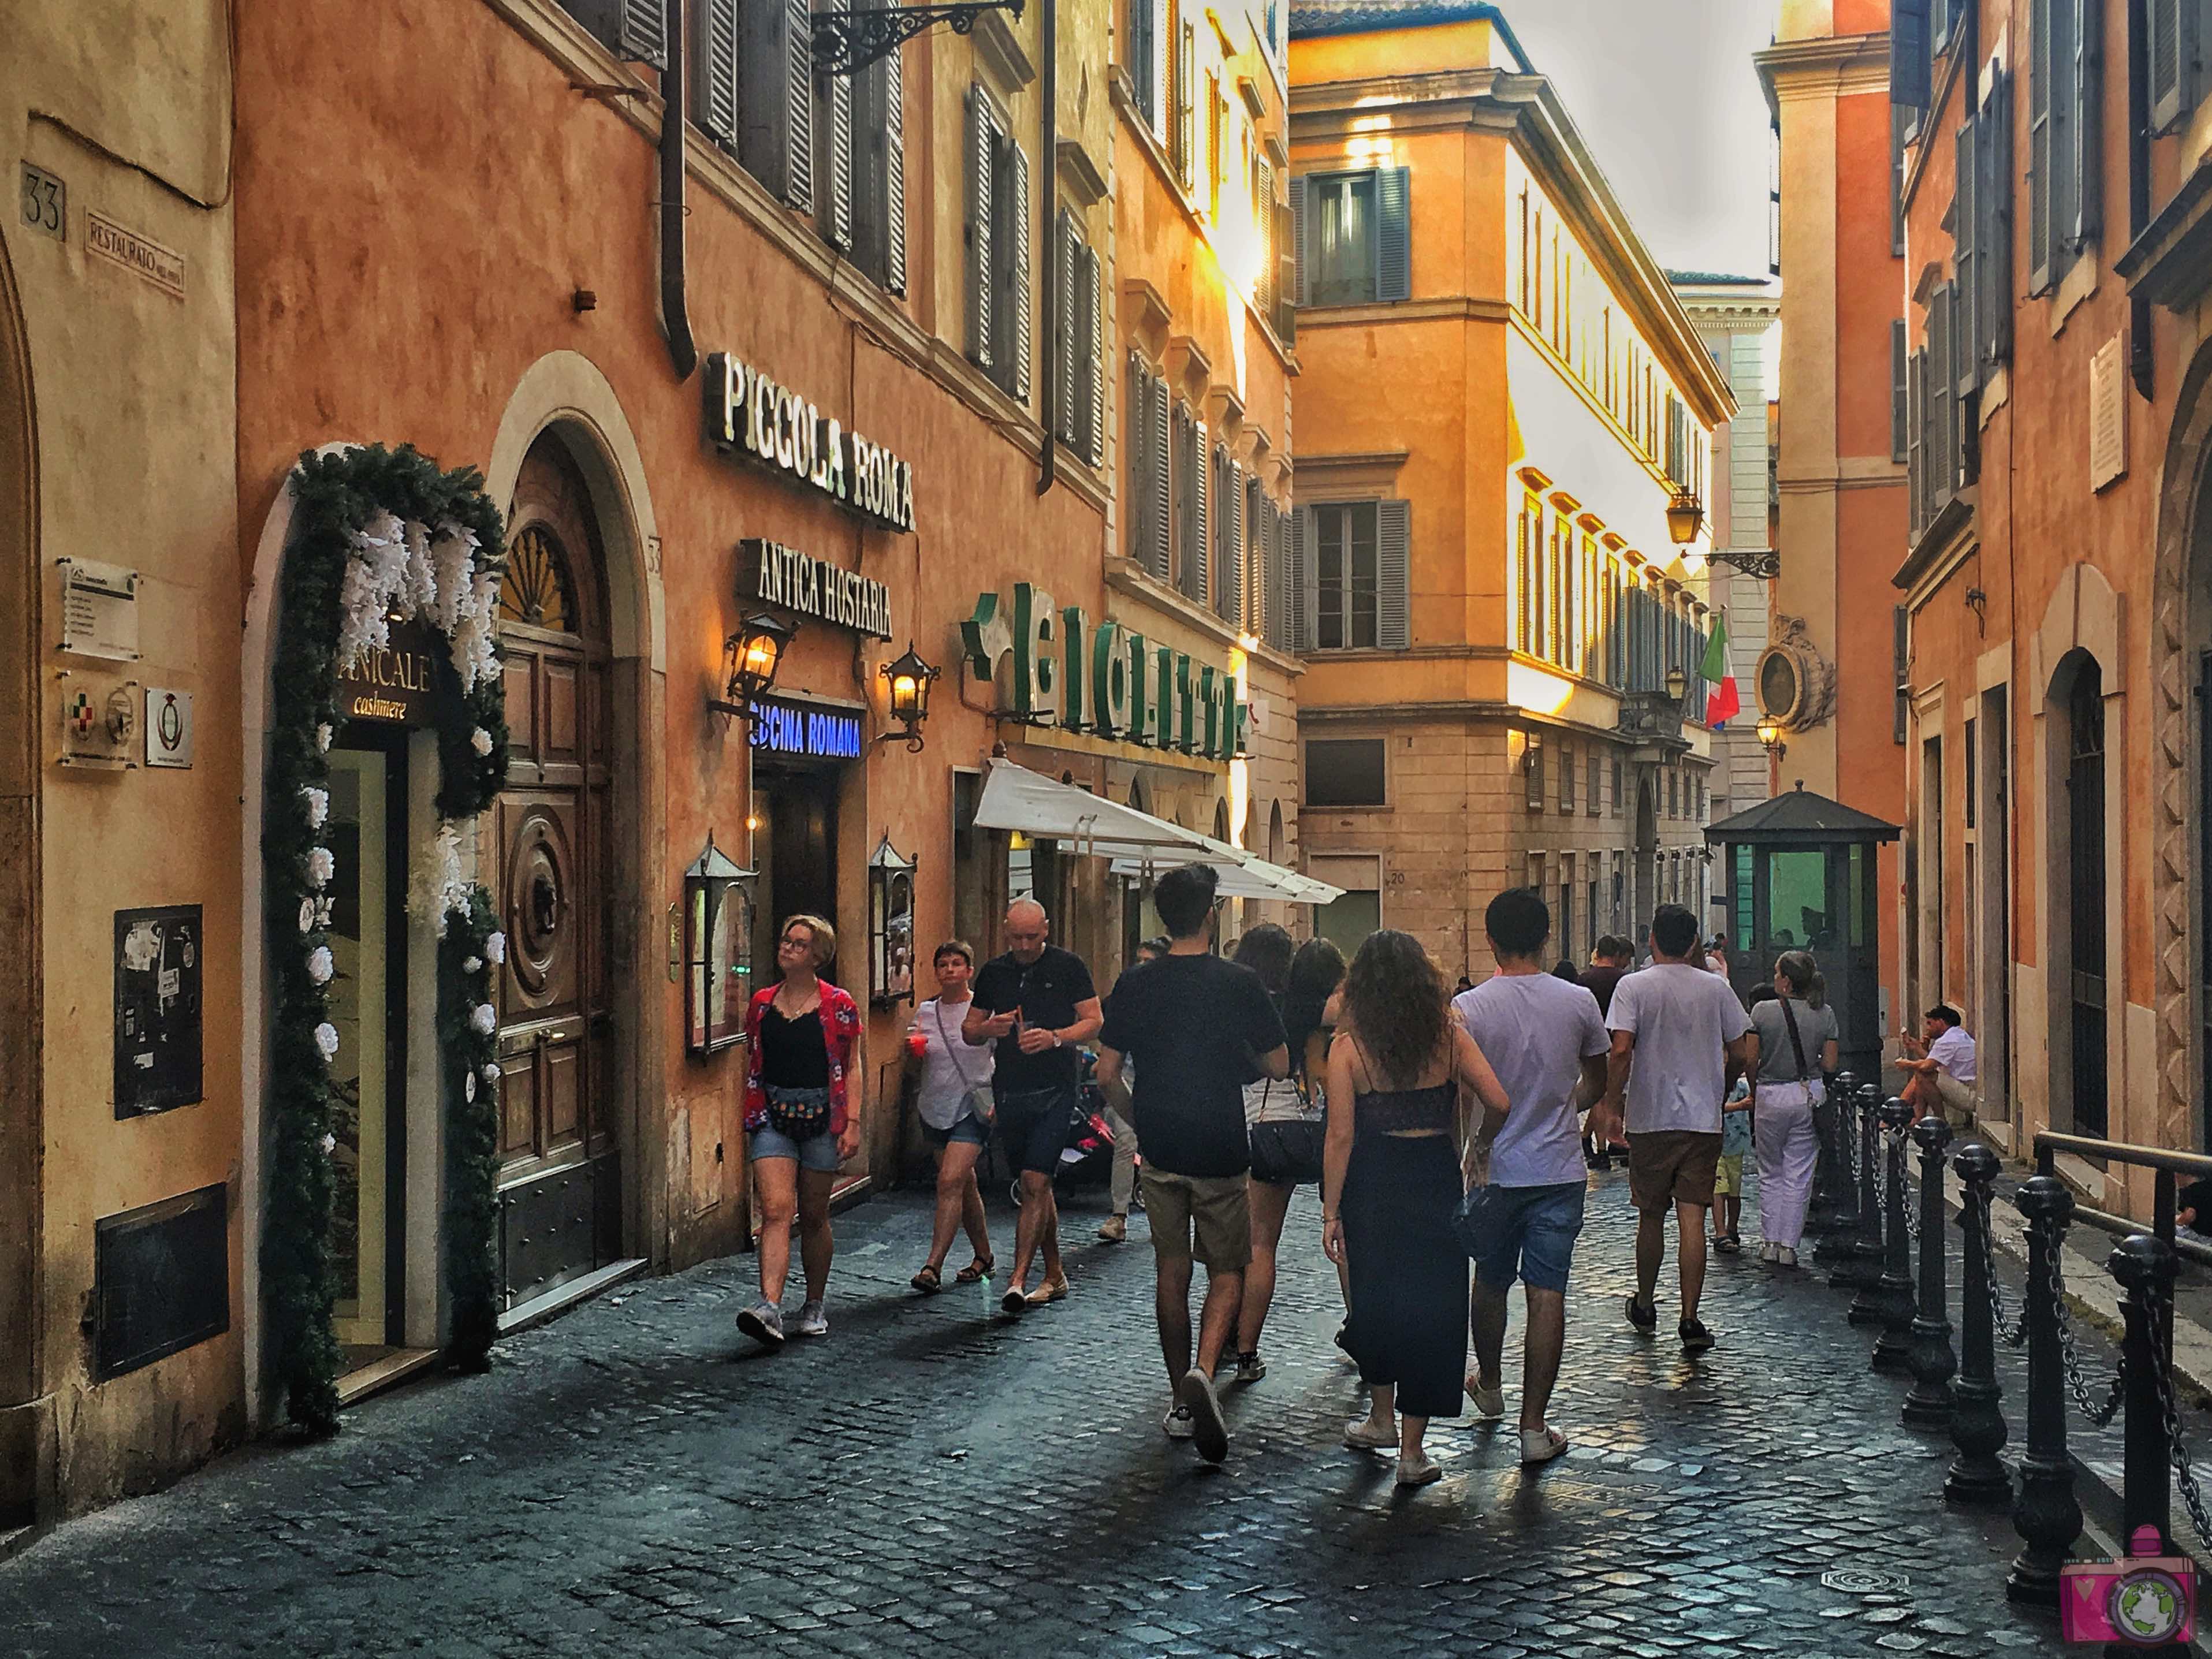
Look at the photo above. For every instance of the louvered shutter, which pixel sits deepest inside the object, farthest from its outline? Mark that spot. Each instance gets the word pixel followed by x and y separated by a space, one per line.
pixel 1202 512
pixel 1298 241
pixel 1393 620
pixel 1160 522
pixel 2040 148
pixel 1263 214
pixel 718 71
pixel 1186 96
pixel 1993 241
pixel 1064 324
pixel 1966 361
pixel 834 175
pixel 799 106
pixel 2162 52
pixel 1908 53
pixel 1135 450
pixel 1900 123
pixel 1393 239
pixel 1916 447
pixel 1094 357
pixel 642 32
pixel 1227 537
pixel 893 139
pixel 1305 579
pixel 1281 583
pixel 2087 194
pixel 776 63
pixel 1966 260
pixel 1018 268
pixel 1899 419
pixel 1943 473
pixel 1143 48
pixel 981 269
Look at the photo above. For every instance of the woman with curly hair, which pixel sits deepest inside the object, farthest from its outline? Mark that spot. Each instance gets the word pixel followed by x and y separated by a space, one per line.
pixel 1390 1181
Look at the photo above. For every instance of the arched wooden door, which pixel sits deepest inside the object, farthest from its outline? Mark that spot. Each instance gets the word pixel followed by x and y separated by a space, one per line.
pixel 560 1188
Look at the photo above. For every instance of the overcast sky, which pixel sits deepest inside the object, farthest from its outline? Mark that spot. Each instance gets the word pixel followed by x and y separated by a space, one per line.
pixel 1665 95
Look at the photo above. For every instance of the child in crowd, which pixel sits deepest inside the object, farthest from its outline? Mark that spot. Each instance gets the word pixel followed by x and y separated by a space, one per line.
pixel 1727 1182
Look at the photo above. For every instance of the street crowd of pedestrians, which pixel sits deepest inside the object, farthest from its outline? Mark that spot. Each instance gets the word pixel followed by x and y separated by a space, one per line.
pixel 1442 1130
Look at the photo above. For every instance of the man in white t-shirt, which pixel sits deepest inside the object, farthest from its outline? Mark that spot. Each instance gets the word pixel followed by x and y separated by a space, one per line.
pixel 1939 1071
pixel 1679 1040
pixel 1546 1041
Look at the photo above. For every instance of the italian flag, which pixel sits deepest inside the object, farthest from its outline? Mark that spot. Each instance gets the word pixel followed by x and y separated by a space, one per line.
pixel 1723 703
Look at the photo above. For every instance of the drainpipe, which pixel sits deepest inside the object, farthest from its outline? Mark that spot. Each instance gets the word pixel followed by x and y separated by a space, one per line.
pixel 1048 123
pixel 2140 363
pixel 675 318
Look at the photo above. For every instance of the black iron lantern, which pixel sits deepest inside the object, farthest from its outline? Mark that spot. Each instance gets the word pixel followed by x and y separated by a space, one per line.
pixel 751 658
pixel 718 968
pixel 1677 684
pixel 1685 516
pixel 909 679
pixel 890 924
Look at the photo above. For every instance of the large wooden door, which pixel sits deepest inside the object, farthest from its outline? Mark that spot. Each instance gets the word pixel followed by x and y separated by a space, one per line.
pixel 559 1179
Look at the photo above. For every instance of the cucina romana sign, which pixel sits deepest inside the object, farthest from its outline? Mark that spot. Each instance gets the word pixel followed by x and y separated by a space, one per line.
pixel 749 412
pixel 1102 679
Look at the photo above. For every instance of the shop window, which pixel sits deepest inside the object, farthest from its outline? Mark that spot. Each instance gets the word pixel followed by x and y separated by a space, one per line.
pixel 1345 772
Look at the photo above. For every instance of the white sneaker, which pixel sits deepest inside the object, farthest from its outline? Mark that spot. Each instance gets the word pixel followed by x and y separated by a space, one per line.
pixel 1418 1471
pixel 1179 1423
pixel 1787 1256
pixel 1362 1434
pixel 1770 1252
pixel 1489 1403
pixel 812 1321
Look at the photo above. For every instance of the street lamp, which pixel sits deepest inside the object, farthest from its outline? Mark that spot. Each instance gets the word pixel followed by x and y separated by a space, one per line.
pixel 1685 516
pixel 1770 736
pixel 749 658
pixel 1677 683
pixel 909 679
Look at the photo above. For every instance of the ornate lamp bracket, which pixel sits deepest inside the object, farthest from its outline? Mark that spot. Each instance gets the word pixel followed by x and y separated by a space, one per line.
pixel 1761 563
pixel 850 38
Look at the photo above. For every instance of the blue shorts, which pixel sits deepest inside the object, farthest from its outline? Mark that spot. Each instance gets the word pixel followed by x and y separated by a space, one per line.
pixel 1527 1232
pixel 1033 1124
pixel 966 1132
pixel 816 1152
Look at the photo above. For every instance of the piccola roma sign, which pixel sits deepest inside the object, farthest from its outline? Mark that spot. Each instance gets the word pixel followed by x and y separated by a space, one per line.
pixel 1100 677
pixel 749 413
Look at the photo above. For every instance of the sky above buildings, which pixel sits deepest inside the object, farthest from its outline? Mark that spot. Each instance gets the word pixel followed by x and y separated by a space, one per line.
pixel 1664 93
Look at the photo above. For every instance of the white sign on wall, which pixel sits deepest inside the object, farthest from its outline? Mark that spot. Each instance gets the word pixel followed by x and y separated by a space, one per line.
pixel 169 727
pixel 99 610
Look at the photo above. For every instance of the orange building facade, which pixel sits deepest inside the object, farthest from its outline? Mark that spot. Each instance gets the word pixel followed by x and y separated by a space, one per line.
pixel 2053 574
pixel 1499 396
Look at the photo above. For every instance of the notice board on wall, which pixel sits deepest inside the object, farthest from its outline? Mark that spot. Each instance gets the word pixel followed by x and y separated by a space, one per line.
pixel 157 1009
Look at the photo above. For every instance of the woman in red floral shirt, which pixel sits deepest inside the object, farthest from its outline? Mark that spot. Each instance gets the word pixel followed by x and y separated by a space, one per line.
pixel 802 1039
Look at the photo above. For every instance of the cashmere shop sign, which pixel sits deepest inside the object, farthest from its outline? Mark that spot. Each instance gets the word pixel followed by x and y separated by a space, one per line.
pixel 749 413
pixel 1102 679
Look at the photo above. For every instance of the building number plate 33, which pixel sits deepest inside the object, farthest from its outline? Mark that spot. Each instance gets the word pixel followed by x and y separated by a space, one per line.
pixel 45 203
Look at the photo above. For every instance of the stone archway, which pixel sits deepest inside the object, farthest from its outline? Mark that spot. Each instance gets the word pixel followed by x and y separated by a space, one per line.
pixel 2181 868
pixel 24 1462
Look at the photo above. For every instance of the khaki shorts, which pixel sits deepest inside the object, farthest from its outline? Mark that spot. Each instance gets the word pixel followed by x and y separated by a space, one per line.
pixel 1211 1209
pixel 1958 1098
pixel 1727 1177
pixel 1667 1167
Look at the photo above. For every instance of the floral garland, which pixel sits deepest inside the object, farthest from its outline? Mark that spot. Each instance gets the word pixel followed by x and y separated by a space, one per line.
pixel 376 535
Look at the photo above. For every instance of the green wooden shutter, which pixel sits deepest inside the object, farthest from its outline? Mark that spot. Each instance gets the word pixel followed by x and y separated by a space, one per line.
pixel 1393 620
pixel 1393 239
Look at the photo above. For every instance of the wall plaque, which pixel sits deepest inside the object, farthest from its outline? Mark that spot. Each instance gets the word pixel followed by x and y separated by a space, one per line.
pixel 392 685
pixel 2108 414
pixel 99 610
pixel 161 1279
pixel 157 1009
pixel 169 727
pixel 782 575
pixel 140 255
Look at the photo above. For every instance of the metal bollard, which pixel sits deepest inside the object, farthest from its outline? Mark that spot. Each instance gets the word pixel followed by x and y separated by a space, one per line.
pixel 1863 1270
pixel 2045 1514
pixel 1978 1476
pixel 1892 1349
pixel 1929 1406
pixel 1836 1251
pixel 1831 1168
pixel 2144 1265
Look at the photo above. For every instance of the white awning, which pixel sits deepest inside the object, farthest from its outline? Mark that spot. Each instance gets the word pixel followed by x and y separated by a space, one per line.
pixel 1015 798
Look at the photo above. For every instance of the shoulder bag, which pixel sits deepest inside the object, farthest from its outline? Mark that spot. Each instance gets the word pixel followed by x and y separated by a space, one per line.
pixel 975 1097
pixel 1286 1151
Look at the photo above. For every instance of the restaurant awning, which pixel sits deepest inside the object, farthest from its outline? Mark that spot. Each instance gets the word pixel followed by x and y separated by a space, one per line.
pixel 1137 843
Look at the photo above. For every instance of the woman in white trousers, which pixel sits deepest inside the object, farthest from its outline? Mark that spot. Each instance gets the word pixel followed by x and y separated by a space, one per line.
pixel 1797 1035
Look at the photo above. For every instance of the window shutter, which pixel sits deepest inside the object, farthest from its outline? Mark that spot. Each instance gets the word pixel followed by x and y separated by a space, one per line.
pixel 2039 155
pixel 1136 406
pixel 1305 579
pixel 1900 123
pixel 981 128
pixel 1393 242
pixel 1094 357
pixel 1186 97
pixel 893 139
pixel 643 32
pixel 1908 53
pixel 2163 51
pixel 1298 241
pixel 1018 269
pixel 2087 195
pixel 1064 324
pixel 1966 260
pixel 718 71
pixel 1965 361
pixel 1394 619
pixel 1142 51
pixel 1916 448
pixel 1993 236
pixel 1899 415
pixel 1942 472
pixel 833 186
pixel 1159 523
pixel 1201 525
pixel 775 65
pixel 1263 217
pixel 1228 571
pixel 1279 578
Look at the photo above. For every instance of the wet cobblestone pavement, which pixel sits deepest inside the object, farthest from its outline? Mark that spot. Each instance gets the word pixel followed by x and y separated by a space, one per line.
pixel 632 1479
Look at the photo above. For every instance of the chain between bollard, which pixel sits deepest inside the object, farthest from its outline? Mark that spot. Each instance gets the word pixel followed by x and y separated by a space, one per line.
pixel 2099 1415
pixel 2011 1334
pixel 2185 1473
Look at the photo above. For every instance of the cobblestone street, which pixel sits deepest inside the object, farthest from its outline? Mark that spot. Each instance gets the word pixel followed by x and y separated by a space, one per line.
pixel 633 1480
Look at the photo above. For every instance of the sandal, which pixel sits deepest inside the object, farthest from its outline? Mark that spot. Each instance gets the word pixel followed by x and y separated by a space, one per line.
pixel 928 1281
pixel 979 1269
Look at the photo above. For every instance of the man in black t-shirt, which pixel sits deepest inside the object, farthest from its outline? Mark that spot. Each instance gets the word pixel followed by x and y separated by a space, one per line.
pixel 1036 1003
pixel 1199 1029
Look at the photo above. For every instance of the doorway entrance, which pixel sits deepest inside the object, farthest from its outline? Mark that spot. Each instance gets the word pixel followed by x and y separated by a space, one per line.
pixel 795 849
pixel 2085 808
pixel 560 1174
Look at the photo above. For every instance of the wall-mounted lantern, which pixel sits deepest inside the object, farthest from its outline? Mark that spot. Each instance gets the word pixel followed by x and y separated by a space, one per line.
pixel 891 925
pixel 909 679
pixel 1770 736
pixel 718 966
pixel 749 658
pixel 1685 516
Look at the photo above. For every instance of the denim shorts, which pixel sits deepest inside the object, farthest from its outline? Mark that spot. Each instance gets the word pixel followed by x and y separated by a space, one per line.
pixel 816 1152
pixel 967 1131
pixel 1527 1232
pixel 1034 1125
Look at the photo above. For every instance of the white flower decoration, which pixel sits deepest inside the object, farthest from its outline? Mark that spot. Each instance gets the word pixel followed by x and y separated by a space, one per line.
pixel 320 966
pixel 330 1144
pixel 484 1018
pixel 306 915
pixel 323 736
pixel 472 965
pixel 491 1074
pixel 496 948
pixel 322 864
pixel 469 1087
pixel 323 907
pixel 480 740
pixel 317 805
pixel 326 1039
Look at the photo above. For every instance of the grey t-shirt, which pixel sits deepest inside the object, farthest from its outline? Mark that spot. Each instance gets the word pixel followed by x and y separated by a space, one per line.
pixel 1683 1018
pixel 1777 1059
pixel 1535 1032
